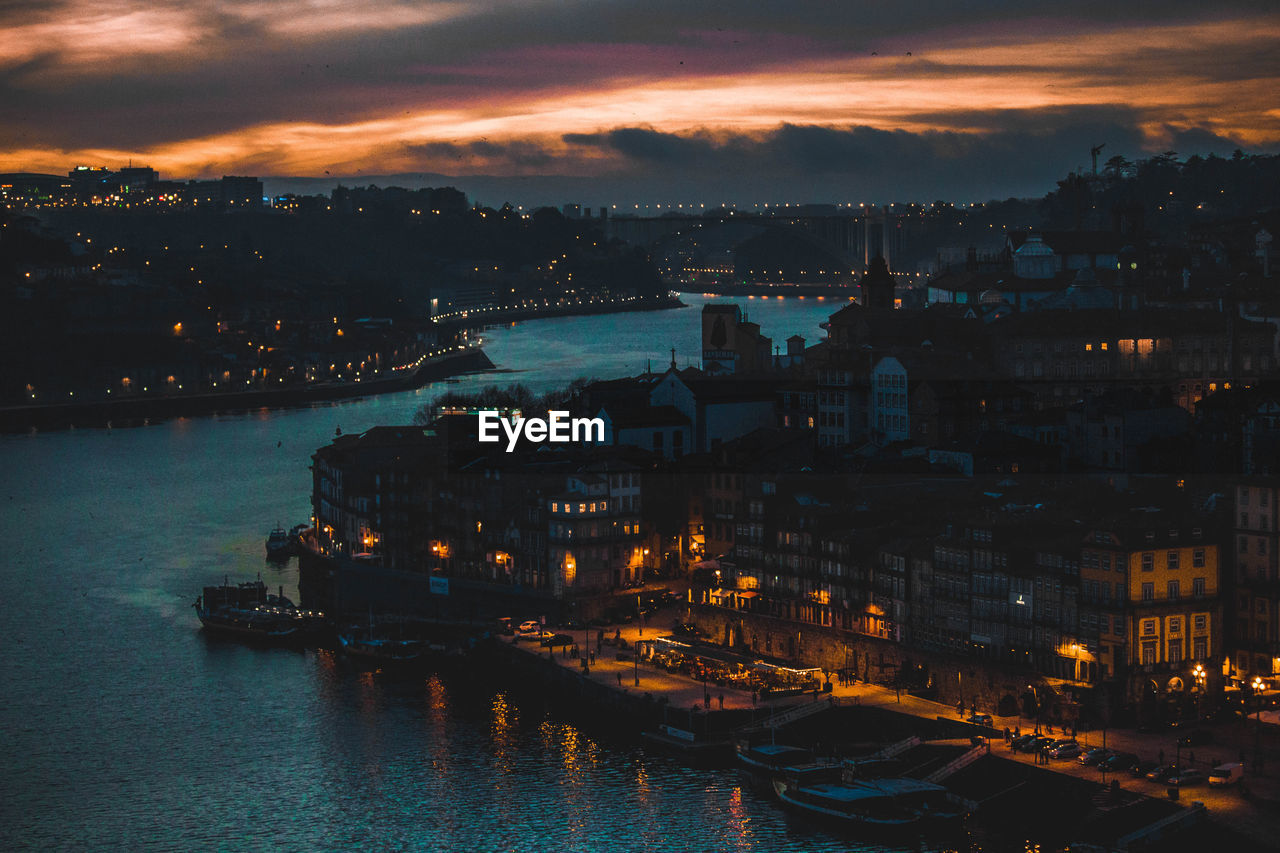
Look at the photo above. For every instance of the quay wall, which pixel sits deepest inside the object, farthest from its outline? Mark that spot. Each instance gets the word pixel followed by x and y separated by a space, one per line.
pixel 954 679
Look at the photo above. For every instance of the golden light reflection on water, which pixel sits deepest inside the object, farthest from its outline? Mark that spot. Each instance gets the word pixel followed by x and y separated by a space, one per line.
pixel 437 696
pixel 738 833
pixel 503 732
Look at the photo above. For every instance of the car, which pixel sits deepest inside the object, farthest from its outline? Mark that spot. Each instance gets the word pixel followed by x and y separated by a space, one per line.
pixel 529 627
pixel 1196 737
pixel 1163 773
pixel 1023 742
pixel 1094 756
pixel 1041 743
pixel 1190 776
pixel 1118 763
pixel 1142 768
pixel 980 720
pixel 553 640
pixel 1066 750
pixel 1226 774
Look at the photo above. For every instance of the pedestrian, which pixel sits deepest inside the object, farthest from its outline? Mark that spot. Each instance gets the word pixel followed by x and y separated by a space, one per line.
pixel 619 674
pixel 754 694
pixel 721 698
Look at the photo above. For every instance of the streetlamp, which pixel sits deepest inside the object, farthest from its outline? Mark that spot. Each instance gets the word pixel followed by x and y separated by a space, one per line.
pixel 1257 731
pixel 1199 674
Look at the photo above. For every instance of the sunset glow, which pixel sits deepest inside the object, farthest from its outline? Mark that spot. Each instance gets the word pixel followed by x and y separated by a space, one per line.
pixel 303 87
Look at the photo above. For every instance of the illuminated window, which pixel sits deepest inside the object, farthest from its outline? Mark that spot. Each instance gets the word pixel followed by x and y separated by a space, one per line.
pixel 555 507
pixel 582 507
pixel 1103 346
pixel 1088 347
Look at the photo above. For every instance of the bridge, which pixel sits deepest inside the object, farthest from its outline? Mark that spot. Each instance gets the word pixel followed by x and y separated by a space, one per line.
pixel 854 238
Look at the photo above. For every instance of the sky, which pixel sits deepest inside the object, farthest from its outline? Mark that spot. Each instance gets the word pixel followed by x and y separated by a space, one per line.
pixel 619 102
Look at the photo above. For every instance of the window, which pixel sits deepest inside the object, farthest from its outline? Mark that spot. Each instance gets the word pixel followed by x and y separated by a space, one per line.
pixel 1197 558
pixel 1199 621
pixel 555 507
pixel 1148 654
pixel 1262 545
pixel 1148 591
pixel 1175 624
pixel 1175 652
pixel 1174 591
pixel 1148 561
pixel 1148 627
pixel 1172 557
pixel 1201 648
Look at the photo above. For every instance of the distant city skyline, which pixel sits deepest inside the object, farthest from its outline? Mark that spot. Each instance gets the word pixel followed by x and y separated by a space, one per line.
pixel 636 103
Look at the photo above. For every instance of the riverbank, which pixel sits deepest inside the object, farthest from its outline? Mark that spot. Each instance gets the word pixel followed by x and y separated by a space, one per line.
pixel 618 683
pixel 133 411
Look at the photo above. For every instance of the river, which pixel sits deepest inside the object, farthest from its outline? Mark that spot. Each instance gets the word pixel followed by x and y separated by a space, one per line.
pixel 126 727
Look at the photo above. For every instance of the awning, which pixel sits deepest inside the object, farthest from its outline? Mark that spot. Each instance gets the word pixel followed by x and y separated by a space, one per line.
pixel 748 593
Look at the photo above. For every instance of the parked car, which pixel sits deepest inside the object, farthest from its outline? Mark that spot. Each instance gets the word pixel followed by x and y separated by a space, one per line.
pixel 1041 743
pixel 980 720
pixel 553 640
pixel 1095 756
pixel 1023 742
pixel 1190 776
pixel 1196 737
pixel 1119 763
pixel 1163 773
pixel 529 627
pixel 1066 750
pixel 1226 774
pixel 1142 768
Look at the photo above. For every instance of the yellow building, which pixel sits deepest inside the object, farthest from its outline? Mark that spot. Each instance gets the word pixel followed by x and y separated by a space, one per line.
pixel 1173 603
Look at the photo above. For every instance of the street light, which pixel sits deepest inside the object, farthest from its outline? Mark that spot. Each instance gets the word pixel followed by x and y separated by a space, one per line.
pixel 1257 731
pixel 1199 674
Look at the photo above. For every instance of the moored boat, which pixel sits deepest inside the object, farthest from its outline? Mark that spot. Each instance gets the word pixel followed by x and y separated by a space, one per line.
pixel 248 610
pixel 849 805
pixel 380 649
pixel 279 543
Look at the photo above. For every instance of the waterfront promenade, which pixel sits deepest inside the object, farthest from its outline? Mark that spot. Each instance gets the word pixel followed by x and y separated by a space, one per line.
pixel 1256 816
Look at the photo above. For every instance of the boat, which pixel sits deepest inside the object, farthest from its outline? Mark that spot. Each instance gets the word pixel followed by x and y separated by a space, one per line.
pixel 932 802
pixel 248 610
pixel 379 648
pixel 279 543
pixel 762 762
pixel 849 805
